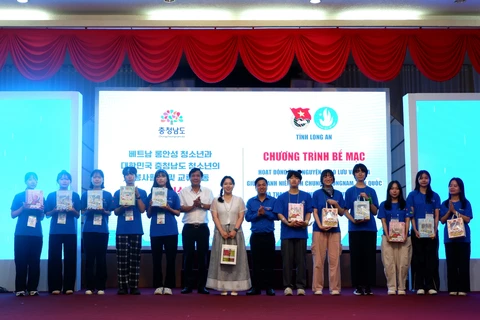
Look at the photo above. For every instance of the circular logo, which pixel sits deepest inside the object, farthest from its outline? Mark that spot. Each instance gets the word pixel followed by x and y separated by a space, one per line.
pixel 325 118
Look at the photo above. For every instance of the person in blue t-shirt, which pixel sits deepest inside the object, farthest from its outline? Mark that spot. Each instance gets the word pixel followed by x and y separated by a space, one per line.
pixel 424 205
pixel 63 232
pixel 95 235
pixel 362 233
pixel 457 249
pixel 262 241
pixel 294 209
pixel 28 239
pixel 163 233
pixel 396 250
pixel 326 238
pixel 129 235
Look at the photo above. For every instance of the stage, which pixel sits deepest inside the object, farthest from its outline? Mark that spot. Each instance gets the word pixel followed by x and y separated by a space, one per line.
pixel 215 306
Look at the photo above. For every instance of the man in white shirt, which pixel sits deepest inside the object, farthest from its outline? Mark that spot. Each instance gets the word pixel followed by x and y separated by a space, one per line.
pixel 195 202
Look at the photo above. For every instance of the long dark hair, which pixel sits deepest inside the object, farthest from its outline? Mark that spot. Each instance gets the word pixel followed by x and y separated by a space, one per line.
pixel 167 184
pixel 429 193
pixel 401 200
pixel 220 199
pixel 463 199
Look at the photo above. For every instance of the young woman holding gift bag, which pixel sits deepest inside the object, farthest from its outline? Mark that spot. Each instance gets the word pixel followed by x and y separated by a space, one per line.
pixel 396 243
pixel 163 233
pixel 326 238
pixel 457 247
pixel 63 237
pixel 362 233
pixel 424 205
pixel 228 212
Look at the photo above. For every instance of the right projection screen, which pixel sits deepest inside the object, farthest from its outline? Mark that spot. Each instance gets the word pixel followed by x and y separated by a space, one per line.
pixel 442 136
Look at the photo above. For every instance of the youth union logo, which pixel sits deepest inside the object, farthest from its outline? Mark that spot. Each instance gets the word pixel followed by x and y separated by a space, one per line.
pixel 171 116
pixel 326 118
pixel 301 117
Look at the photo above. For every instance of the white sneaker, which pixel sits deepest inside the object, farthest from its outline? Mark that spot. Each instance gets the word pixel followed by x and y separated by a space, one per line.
pixel 224 293
pixel 391 292
pixel 234 293
pixel 401 292
pixel 462 293
pixel 335 293
pixel 89 292
pixel 20 294
pixel 318 292
pixel 453 293
pixel 288 292
pixel 420 291
pixel 56 292
pixel 33 293
pixel 69 292
pixel 101 292
pixel 432 291
pixel 167 291
pixel 300 292
pixel 158 291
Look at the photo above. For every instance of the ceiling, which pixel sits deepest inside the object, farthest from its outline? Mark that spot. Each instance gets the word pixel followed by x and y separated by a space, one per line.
pixel 239 13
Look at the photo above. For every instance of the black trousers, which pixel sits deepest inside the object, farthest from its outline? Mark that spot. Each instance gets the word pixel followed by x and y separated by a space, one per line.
pixel 59 279
pixel 95 246
pixel 27 251
pixel 425 263
pixel 363 250
pixel 199 235
pixel 458 266
pixel 169 243
pixel 262 246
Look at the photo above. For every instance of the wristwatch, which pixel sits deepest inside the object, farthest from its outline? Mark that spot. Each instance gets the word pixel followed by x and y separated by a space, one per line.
pixel 235 229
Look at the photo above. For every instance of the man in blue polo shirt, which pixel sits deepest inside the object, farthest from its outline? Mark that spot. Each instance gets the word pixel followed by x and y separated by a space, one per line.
pixel 262 241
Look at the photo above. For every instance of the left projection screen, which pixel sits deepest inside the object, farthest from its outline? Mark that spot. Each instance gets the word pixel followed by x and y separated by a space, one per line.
pixel 39 132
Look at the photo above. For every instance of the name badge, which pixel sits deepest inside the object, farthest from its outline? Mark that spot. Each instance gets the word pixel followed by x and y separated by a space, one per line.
pixel 160 218
pixel 62 218
pixel 97 219
pixel 129 215
pixel 32 221
pixel 429 216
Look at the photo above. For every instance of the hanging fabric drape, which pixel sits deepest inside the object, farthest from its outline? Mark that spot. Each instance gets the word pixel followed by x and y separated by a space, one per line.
pixel 267 53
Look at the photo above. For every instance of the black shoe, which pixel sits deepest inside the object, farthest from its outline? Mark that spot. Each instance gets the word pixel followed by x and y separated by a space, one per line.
pixel 253 292
pixel 368 291
pixel 203 291
pixel 359 291
pixel 135 292
pixel 122 292
pixel 270 292
pixel 186 290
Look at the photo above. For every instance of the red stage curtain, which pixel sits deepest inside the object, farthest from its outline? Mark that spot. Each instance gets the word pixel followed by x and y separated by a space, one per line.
pixel 266 53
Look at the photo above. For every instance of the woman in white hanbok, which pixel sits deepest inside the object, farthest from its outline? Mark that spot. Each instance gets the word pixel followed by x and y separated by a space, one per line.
pixel 228 213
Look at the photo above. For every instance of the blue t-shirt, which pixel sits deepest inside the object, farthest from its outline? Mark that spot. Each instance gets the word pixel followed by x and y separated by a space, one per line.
pixel 351 196
pixel 170 227
pixel 320 198
pixel 22 228
pixel 264 223
pixel 102 227
pixel 418 200
pixel 70 225
pixel 467 211
pixel 394 213
pixel 281 207
pixel 130 227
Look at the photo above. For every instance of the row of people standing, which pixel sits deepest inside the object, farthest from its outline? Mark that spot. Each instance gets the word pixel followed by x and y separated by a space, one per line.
pixel 228 212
